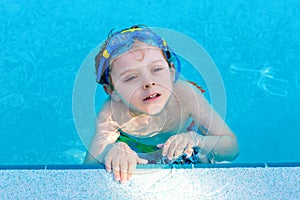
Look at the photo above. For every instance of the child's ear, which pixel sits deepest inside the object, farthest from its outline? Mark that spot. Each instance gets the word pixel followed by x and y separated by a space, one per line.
pixel 111 93
pixel 172 71
pixel 107 89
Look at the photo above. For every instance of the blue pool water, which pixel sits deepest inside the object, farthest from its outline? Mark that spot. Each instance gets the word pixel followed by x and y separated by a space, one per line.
pixel 254 45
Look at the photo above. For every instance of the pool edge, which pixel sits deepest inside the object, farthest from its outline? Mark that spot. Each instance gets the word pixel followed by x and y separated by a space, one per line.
pixel 149 166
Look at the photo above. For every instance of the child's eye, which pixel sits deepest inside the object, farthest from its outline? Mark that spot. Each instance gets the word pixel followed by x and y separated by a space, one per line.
pixel 131 78
pixel 157 69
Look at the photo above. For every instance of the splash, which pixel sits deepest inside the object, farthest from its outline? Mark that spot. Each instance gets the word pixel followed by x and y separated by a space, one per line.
pixel 267 81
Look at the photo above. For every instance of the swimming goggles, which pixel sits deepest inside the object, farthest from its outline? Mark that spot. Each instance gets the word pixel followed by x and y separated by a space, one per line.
pixel 122 41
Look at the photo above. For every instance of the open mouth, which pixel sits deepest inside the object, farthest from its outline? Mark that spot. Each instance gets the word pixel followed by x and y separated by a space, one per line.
pixel 152 97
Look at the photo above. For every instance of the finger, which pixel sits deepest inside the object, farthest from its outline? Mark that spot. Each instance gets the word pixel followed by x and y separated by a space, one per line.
pixel 116 169
pixel 123 172
pixel 160 145
pixel 108 164
pixel 131 168
pixel 189 150
pixel 166 145
pixel 181 147
pixel 142 161
pixel 178 151
pixel 172 149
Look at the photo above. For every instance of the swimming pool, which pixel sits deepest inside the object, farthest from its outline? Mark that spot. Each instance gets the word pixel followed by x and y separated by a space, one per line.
pixel 254 45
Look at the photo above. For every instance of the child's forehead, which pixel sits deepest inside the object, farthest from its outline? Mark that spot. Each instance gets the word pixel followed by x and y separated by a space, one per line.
pixel 139 55
pixel 137 51
pixel 143 53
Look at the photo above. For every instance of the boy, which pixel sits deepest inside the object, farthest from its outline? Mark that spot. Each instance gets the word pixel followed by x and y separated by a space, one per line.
pixel 147 118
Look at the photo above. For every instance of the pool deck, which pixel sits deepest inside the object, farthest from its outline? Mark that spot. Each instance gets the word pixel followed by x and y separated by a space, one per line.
pixel 222 181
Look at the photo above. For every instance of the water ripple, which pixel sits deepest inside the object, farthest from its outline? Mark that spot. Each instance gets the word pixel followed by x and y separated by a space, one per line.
pixel 267 81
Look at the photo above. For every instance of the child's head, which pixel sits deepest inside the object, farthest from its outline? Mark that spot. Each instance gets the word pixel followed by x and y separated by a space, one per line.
pixel 136 66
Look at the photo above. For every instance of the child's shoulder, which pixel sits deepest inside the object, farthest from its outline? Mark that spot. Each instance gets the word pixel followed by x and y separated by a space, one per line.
pixel 182 87
pixel 187 92
pixel 181 84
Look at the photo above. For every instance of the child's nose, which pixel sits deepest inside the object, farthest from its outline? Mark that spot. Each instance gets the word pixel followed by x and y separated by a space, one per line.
pixel 148 85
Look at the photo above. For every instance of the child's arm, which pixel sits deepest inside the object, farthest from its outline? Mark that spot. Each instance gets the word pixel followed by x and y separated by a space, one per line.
pixel 104 149
pixel 106 133
pixel 218 142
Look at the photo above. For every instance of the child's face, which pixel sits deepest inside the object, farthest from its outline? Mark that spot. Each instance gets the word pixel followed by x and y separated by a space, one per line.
pixel 142 79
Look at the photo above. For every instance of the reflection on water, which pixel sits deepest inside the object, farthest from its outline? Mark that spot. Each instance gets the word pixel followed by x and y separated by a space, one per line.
pixel 267 81
pixel 74 155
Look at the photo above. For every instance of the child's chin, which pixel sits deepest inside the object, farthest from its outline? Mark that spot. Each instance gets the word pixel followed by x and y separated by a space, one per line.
pixel 154 109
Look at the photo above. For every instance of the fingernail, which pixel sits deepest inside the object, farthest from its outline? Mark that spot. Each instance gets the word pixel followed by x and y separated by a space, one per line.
pixel 123 181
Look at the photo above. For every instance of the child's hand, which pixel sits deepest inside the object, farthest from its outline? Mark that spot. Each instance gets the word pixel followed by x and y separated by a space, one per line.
pixel 122 160
pixel 181 143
